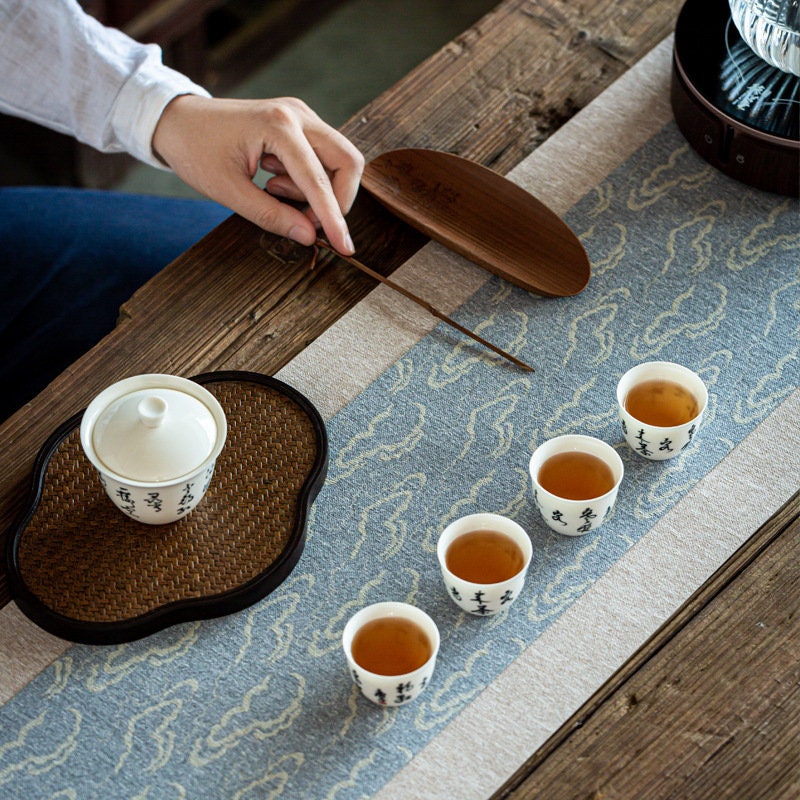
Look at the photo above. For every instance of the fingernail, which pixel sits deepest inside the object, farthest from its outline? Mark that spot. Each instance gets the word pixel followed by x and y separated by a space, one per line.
pixel 349 243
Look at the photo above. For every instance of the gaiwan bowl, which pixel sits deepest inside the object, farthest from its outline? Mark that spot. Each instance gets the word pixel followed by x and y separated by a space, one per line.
pixel 154 440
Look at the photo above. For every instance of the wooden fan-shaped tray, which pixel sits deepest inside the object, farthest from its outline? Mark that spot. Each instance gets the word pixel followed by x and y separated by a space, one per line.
pixel 84 571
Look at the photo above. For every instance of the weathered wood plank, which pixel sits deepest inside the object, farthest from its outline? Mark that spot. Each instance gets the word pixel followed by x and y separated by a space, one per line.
pixel 510 81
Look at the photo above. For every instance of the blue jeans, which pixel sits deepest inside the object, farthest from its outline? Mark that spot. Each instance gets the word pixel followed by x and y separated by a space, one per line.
pixel 68 259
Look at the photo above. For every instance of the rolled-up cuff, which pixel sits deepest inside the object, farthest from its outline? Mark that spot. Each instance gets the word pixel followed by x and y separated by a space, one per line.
pixel 142 100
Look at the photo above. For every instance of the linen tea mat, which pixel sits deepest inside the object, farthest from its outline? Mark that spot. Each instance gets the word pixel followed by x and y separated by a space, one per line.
pixel 687 266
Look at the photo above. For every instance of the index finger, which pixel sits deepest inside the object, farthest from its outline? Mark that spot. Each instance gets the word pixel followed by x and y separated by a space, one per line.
pixel 308 173
pixel 344 164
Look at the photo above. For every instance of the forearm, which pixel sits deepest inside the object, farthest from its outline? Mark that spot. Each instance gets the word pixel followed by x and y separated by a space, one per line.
pixel 62 69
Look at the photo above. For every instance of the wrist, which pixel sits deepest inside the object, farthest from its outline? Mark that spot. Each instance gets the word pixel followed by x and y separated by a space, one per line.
pixel 168 122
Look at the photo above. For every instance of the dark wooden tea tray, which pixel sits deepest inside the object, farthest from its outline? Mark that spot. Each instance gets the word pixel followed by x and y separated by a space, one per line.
pixel 84 571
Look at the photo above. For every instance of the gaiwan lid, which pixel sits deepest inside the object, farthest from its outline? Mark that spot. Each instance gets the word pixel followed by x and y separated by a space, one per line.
pixel 153 429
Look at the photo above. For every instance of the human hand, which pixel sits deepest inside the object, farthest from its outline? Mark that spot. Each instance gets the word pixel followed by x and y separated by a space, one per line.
pixel 216 146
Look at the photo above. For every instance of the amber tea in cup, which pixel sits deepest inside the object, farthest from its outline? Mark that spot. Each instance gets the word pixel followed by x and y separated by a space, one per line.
pixel 660 406
pixel 484 556
pixel 391 646
pixel 575 479
pixel 661 402
pixel 391 650
pixel 576 475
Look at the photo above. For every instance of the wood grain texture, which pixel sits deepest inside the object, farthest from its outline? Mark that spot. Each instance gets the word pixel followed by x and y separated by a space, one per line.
pixel 709 707
pixel 240 299
pixel 446 196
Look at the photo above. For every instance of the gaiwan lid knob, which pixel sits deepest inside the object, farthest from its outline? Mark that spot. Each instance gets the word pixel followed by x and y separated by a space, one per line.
pixel 153 429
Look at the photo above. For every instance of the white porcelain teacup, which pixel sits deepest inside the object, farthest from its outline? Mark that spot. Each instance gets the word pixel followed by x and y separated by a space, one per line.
pixel 484 559
pixel 391 651
pixel 660 406
pixel 586 475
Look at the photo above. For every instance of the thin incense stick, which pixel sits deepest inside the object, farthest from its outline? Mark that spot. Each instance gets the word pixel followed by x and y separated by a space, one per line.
pixel 321 243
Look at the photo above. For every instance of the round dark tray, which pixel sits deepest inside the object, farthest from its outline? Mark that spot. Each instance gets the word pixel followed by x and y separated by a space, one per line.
pixel 84 571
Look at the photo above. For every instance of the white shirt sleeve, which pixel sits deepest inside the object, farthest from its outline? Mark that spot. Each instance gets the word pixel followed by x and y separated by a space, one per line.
pixel 61 68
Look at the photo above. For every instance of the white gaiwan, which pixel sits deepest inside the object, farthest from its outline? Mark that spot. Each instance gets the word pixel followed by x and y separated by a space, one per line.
pixel 154 439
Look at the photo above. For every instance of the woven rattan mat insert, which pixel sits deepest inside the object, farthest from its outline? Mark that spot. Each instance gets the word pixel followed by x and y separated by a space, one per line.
pixel 89 573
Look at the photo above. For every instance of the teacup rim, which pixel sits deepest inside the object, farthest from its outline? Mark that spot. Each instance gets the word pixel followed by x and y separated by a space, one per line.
pixel 597 444
pixel 626 381
pixel 481 520
pixel 400 609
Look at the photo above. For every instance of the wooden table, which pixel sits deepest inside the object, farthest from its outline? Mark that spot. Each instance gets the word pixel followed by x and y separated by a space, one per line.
pixel 702 710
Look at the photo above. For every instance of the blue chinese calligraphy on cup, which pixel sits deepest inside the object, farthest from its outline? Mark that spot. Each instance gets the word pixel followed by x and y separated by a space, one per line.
pixel 391 651
pixel 576 480
pixel 660 406
pixel 484 559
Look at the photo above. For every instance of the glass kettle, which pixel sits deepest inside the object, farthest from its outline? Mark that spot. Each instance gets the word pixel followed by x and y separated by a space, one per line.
pixel 772 30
